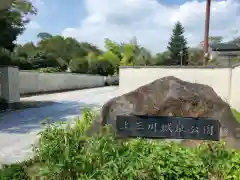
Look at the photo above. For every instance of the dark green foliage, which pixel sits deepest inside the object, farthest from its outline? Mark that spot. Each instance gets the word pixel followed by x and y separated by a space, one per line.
pixel 5 57
pixel 13 21
pixel 22 63
pixel 9 59
pixel 102 67
pixel 14 172
pixel 44 60
pixel 178 44
pixel 8 34
pixel 79 65
pixel 63 50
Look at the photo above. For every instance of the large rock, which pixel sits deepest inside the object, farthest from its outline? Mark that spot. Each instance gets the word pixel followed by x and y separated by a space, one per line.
pixel 170 96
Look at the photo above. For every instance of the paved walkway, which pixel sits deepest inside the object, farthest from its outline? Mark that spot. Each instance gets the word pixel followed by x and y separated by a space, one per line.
pixel 18 129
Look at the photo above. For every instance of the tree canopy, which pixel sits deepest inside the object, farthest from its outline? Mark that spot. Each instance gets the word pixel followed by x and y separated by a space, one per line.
pixel 13 20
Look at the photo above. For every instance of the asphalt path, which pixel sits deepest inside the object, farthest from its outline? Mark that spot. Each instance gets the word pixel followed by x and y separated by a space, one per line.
pixel 18 129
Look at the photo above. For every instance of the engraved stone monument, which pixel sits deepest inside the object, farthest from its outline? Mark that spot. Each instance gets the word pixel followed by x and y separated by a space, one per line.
pixel 172 97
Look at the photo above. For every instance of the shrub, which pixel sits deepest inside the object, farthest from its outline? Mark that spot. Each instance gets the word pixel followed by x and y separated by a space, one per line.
pixel 102 67
pixel 14 172
pixel 79 65
pixel 5 57
pixel 44 60
pixel 22 63
pixel 66 153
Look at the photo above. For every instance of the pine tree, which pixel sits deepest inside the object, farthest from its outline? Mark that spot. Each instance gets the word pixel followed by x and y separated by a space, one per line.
pixel 178 45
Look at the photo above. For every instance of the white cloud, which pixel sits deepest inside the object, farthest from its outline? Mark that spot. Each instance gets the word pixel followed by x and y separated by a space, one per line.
pixel 37 3
pixel 151 22
pixel 33 25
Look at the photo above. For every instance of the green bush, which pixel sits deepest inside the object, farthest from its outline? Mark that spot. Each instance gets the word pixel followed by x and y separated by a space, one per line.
pixel 14 172
pixel 44 60
pixel 22 63
pixel 102 67
pixel 5 57
pixel 79 65
pixel 66 153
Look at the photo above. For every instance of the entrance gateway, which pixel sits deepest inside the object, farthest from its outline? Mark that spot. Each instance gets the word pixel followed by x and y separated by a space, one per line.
pixel 168 127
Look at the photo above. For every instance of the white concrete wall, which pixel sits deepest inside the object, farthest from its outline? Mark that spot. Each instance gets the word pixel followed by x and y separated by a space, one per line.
pixel 34 82
pixel 225 81
pixel 235 88
pixel 217 78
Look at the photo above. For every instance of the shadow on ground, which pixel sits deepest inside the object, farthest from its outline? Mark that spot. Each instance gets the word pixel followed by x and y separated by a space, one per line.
pixel 28 119
pixel 24 105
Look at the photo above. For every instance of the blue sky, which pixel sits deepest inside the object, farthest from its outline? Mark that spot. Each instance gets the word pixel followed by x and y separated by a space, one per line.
pixel 53 17
pixel 150 21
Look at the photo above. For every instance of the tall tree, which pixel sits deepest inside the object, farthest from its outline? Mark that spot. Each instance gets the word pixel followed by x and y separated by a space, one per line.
pixel 129 54
pixel 115 48
pixel 13 20
pixel 177 46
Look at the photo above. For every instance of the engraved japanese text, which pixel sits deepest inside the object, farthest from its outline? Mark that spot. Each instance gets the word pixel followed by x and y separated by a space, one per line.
pixel 139 125
pixel 208 130
pixel 152 127
pixel 126 125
